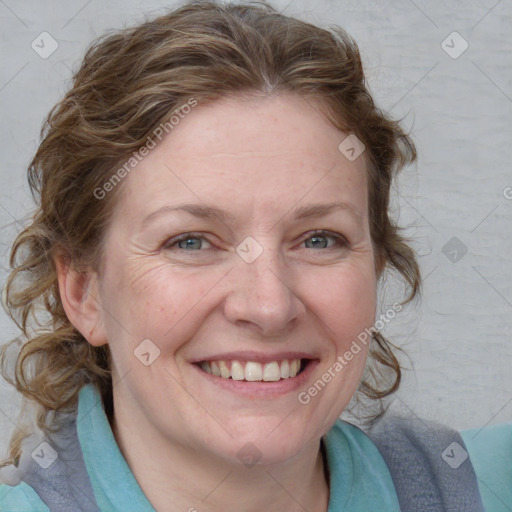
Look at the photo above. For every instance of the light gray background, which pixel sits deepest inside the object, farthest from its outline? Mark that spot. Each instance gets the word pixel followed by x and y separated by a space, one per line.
pixel 459 111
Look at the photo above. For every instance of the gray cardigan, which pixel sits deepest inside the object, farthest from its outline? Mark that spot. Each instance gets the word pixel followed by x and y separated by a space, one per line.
pixel 427 462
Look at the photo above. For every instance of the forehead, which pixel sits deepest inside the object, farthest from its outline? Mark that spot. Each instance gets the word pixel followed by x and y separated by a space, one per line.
pixel 248 125
pixel 263 149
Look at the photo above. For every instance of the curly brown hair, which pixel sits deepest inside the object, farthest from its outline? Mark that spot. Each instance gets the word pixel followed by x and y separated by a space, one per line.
pixel 129 83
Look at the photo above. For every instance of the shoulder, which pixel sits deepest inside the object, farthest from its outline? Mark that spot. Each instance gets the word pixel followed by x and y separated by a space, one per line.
pixel 20 498
pixel 358 476
pixel 50 474
pixel 429 464
pixel 346 440
pixel 15 494
pixel 490 450
pixel 345 433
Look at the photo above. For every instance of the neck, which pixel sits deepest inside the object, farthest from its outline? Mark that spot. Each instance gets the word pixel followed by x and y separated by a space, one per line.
pixel 179 478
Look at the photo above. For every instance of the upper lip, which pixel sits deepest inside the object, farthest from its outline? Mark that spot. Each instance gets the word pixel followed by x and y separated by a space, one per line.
pixel 257 357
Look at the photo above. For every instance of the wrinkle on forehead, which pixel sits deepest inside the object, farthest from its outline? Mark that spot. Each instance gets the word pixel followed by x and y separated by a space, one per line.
pixel 242 154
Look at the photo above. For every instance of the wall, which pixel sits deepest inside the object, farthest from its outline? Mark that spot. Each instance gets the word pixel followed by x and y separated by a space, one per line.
pixel 455 203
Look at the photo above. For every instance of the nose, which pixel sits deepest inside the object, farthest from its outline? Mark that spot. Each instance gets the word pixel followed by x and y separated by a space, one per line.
pixel 262 295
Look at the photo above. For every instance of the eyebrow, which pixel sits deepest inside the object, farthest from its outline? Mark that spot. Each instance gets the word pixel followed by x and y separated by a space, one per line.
pixel 320 210
pixel 208 212
pixel 197 210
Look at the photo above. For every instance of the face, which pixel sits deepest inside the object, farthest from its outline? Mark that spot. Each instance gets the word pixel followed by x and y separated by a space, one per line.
pixel 277 276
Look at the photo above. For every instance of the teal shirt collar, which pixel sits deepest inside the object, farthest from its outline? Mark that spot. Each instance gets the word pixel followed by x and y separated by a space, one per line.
pixel 358 476
pixel 113 483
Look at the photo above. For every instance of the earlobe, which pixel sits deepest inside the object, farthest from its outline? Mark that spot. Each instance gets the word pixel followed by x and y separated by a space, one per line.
pixel 79 295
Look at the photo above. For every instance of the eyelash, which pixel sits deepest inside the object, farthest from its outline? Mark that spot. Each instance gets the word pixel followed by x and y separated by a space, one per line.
pixel 340 240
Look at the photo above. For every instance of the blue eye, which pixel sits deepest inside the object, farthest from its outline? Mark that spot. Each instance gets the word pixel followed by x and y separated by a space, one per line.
pixel 320 238
pixel 186 241
pixel 188 245
pixel 192 242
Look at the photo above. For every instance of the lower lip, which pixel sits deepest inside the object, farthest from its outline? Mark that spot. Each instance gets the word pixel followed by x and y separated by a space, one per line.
pixel 261 389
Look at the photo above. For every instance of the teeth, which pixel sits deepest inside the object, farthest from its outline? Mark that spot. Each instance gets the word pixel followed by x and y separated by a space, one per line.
pixel 294 367
pixel 224 370
pixel 215 369
pixel 285 369
pixel 252 371
pixel 237 371
pixel 271 371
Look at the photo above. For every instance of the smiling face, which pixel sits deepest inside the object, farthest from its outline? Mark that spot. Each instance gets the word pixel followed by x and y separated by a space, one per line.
pixel 214 257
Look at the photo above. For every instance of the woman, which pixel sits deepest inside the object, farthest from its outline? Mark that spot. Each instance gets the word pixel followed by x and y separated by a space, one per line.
pixel 211 231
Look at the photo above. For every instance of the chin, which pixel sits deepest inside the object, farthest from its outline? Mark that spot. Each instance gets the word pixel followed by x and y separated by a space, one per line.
pixel 264 443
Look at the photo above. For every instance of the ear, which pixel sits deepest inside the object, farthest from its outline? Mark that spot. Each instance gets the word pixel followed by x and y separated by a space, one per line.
pixel 80 299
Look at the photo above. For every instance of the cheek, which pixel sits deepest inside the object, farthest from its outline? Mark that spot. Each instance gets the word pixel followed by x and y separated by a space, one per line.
pixel 155 301
pixel 346 302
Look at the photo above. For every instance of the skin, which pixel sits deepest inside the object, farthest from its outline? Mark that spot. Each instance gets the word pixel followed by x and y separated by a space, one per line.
pixel 259 158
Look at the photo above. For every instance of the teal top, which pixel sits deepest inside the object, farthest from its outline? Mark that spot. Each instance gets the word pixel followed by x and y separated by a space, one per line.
pixel 359 479
pixel 490 451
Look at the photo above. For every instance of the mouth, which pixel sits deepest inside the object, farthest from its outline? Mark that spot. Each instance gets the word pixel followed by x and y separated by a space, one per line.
pixel 255 375
pixel 254 371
